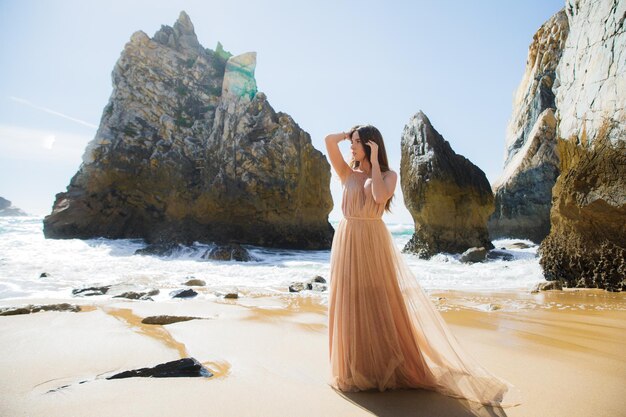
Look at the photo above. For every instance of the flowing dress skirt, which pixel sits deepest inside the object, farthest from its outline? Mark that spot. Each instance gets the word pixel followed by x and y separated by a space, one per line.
pixel 385 333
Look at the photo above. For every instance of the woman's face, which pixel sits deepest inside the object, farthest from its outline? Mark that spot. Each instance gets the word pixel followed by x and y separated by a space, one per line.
pixel 357 147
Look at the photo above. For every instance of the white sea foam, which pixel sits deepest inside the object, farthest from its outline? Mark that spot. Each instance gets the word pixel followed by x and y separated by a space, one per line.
pixel 25 254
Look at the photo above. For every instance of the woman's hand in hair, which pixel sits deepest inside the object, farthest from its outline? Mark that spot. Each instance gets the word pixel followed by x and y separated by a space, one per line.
pixel 374 148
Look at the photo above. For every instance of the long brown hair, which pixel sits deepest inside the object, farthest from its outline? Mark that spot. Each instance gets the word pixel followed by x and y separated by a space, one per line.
pixel 370 133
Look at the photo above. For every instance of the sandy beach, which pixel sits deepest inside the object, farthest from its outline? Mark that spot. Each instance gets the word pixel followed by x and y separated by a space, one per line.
pixel 565 351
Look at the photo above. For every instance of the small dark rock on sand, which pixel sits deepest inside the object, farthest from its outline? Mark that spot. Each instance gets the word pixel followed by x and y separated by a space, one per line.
pixel 187 367
pixel 546 286
pixel 162 320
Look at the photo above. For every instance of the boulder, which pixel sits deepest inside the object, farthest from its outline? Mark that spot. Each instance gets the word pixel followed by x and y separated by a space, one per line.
pixel 449 198
pixel 316 286
pixel 230 252
pixel 297 286
pixel 188 293
pixel 316 280
pixel 195 283
pixel 317 283
pixel 90 291
pixel 547 286
pixel 135 295
pixel 497 254
pixel 188 150
pixel 473 255
pixel 160 249
pixel 518 245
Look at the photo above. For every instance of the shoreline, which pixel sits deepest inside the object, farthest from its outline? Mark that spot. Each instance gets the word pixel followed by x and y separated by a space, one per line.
pixel 269 356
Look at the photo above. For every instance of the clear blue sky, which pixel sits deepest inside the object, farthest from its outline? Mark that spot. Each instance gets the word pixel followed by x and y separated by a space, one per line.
pixel 329 64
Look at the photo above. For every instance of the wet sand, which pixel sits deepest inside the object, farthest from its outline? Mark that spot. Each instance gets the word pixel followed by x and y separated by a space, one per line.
pixel 565 351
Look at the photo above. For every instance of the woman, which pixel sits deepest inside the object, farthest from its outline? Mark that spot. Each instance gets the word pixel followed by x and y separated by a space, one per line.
pixel 384 332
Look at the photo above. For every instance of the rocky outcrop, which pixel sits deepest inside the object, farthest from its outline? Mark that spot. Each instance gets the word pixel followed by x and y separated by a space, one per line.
pixel 31 308
pixel 449 197
pixel 523 193
pixel 188 150
pixel 586 246
pixel 7 209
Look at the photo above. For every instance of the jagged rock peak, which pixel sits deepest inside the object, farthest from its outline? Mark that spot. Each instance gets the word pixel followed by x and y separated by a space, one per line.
pixel 183 24
pixel 423 135
pixel 181 36
pixel 535 92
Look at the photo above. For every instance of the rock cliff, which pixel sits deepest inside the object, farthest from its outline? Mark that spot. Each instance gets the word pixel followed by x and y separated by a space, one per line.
pixel 586 246
pixel 7 209
pixel 523 193
pixel 449 197
pixel 188 150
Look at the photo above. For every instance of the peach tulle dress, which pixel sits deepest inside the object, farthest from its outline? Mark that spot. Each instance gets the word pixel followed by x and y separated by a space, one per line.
pixel 384 332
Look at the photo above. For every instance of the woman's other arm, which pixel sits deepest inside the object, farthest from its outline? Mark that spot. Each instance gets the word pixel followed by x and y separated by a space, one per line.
pixel 382 188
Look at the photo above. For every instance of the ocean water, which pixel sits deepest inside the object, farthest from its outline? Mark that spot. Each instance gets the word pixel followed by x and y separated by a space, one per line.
pixel 25 254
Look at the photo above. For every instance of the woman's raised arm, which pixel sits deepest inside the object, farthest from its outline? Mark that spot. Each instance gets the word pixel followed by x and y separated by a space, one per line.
pixel 336 158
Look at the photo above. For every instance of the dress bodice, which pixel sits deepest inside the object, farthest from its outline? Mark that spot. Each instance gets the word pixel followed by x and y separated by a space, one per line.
pixel 358 201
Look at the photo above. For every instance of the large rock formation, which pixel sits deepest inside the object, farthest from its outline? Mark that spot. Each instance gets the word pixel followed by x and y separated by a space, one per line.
pixel 587 242
pixel 188 150
pixel 523 193
pixel 449 197
pixel 7 209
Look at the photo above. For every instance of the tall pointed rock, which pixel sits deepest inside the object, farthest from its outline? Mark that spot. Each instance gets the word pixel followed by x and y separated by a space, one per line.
pixel 449 197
